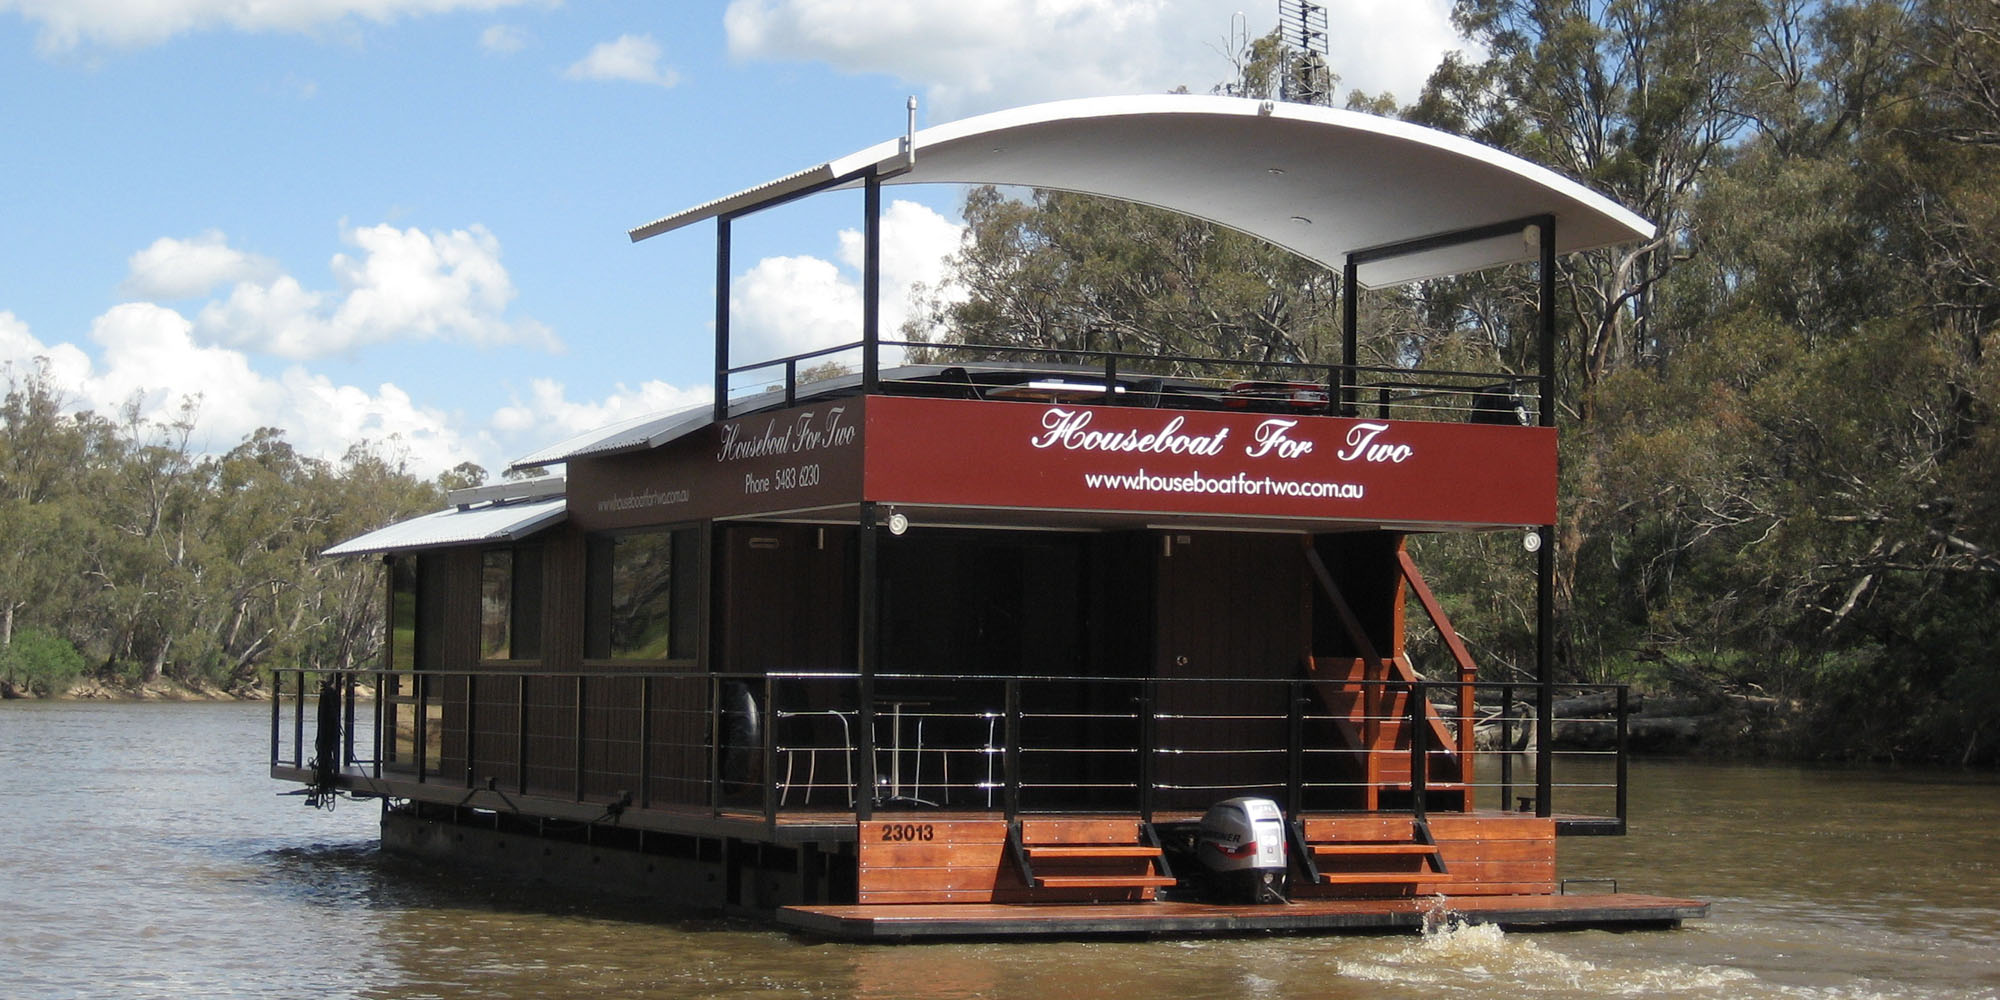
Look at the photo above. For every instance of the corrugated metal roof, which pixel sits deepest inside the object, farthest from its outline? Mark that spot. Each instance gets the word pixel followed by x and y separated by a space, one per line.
pixel 655 429
pixel 1321 182
pixel 502 522
pixel 648 430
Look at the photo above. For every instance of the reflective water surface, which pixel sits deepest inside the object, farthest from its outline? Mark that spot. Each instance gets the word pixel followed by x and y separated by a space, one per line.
pixel 143 853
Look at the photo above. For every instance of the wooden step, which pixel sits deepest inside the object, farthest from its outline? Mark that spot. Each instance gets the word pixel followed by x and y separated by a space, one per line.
pixel 1092 851
pixel 1368 850
pixel 1379 878
pixel 1102 881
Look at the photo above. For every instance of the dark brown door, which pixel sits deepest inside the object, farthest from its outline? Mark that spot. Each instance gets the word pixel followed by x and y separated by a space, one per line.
pixel 1232 623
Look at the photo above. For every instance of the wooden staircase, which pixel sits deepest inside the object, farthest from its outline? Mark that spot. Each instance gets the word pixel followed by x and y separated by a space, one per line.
pixel 1113 856
pixel 1369 696
pixel 1372 715
pixel 1369 863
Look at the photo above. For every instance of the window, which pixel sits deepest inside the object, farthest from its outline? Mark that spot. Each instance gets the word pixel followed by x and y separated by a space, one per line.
pixel 412 717
pixel 510 604
pixel 644 595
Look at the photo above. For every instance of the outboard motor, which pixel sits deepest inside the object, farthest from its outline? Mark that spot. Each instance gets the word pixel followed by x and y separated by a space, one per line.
pixel 1242 845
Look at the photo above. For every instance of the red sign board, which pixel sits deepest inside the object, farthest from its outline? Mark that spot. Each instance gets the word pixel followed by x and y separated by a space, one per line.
pixel 1138 459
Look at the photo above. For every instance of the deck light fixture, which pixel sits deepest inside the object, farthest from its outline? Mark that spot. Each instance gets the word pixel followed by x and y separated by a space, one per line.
pixel 898 523
pixel 1532 541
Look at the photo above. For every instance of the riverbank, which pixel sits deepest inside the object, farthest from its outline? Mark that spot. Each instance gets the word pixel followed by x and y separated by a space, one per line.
pixel 162 689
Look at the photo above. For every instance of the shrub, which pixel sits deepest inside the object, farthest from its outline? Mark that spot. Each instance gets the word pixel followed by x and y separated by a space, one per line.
pixel 40 661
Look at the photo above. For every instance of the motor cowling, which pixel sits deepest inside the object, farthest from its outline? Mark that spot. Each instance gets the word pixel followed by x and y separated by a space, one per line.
pixel 1241 842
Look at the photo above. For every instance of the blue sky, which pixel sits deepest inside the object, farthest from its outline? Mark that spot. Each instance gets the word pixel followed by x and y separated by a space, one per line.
pixel 404 220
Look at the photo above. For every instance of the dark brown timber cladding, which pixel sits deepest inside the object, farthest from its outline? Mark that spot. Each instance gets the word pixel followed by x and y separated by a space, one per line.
pixel 918 859
pixel 1487 854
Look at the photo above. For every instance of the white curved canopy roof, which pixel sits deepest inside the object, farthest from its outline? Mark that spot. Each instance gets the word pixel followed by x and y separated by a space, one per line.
pixel 1320 182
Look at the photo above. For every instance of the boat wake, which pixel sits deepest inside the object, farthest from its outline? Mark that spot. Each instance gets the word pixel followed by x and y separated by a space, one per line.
pixel 1455 958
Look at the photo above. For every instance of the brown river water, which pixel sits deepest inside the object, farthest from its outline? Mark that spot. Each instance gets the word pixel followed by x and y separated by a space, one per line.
pixel 143 853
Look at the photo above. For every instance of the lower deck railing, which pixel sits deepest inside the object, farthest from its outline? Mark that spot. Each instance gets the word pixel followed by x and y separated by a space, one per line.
pixel 782 744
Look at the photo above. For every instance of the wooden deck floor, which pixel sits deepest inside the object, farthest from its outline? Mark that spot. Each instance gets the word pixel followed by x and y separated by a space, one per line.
pixel 904 921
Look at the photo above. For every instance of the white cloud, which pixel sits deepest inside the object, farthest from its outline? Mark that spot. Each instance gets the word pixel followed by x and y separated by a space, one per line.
pixel 147 355
pixel 789 305
pixel 548 415
pixel 503 39
pixel 406 284
pixel 180 269
pixel 66 24
pixel 67 364
pixel 978 55
pixel 632 58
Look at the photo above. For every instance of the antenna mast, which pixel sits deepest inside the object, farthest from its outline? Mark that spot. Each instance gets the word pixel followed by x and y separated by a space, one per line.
pixel 1307 78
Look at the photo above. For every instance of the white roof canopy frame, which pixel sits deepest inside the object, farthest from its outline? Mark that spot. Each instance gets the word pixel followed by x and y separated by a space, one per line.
pixel 1321 182
pixel 1381 200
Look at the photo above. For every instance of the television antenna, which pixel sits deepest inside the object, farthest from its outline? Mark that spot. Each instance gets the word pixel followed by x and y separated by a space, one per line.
pixel 1302 28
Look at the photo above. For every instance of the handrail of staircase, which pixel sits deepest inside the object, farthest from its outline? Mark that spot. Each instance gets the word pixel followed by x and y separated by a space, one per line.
pixel 1468 672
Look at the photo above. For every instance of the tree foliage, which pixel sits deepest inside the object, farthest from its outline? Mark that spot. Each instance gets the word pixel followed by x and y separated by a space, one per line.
pixel 1780 458
pixel 143 558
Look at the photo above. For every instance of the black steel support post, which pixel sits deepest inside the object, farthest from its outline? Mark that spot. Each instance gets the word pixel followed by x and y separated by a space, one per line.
pixel 871 285
pixel 868 628
pixel 1545 555
pixel 1350 333
pixel 721 318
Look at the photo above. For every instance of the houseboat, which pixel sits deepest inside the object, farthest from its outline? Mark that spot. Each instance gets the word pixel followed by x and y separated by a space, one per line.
pixel 976 639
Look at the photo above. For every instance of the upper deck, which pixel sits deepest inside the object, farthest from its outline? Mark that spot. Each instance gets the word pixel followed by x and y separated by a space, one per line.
pixel 1062 447
pixel 1121 439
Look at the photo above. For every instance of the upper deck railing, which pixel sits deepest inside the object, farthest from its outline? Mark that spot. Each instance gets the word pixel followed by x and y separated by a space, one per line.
pixel 1174 381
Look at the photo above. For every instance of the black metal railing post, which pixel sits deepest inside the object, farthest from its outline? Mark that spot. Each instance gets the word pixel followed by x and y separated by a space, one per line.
pixel 347 715
pixel 1506 747
pixel 421 726
pixel 1295 739
pixel 1149 735
pixel 299 722
pixel 521 734
pixel 471 725
pixel 381 716
pixel 1623 757
pixel 576 740
pixel 277 707
pixel 770 756
pixel 646 741
pixel 1011 759
pixel 1420 741
pixel 715 745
